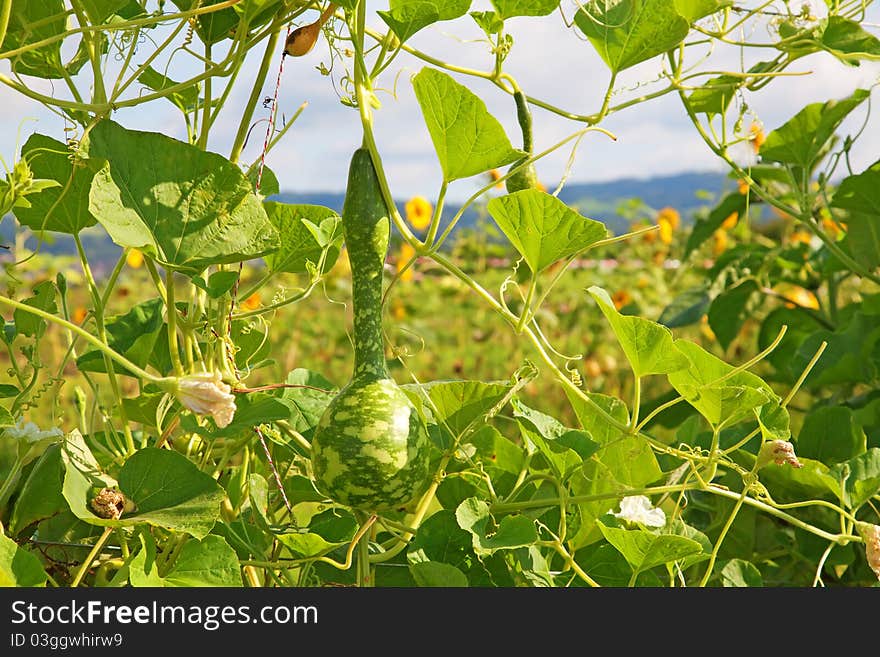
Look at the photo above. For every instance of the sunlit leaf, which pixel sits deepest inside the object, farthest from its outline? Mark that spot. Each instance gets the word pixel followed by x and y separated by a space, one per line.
pixel 298 243
pixel 18 567
pixel 436 574
pixel 801 139
pixel 468 139
pixel 542 228
pixel 626 32
pixel 644 549
pixel 65 207
pixel 510 8
pixel 406 17
pixel 488 537
pixel 188 208
pixel 860 195
pixel 648 346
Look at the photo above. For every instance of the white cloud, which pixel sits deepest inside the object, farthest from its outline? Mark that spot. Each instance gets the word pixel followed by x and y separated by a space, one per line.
pixel 549 60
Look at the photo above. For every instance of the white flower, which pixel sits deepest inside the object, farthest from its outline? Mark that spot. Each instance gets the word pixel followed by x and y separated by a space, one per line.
pixel 637 508
pixel 779 452
pixel 30 432
pixel 206 394
pixel 32 441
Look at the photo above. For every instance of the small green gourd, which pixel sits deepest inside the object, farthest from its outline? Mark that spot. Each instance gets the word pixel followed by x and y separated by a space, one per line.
pixel 527 177
pixel 370 449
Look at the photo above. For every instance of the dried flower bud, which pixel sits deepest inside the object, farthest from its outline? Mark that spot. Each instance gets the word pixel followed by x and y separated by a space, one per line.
pixel 871 536
pixel 779 452
pixel 206 394
pixel 110 503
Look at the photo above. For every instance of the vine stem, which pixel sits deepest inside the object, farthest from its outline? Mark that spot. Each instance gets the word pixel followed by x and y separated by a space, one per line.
pixel 84 567
pixel 88 337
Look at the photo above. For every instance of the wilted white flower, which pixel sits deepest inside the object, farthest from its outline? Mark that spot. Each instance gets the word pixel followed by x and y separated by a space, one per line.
pixel 871 536
pixel 32 441
pixel 779 452
pixel 30 432
pixel 205 393
pixel 637 508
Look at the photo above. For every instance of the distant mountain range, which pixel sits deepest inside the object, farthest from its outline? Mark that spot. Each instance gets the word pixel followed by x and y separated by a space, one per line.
pixel 611 202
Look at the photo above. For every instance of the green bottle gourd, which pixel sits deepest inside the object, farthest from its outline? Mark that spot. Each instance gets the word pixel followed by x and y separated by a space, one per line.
pixel 370 449
pixel 527 177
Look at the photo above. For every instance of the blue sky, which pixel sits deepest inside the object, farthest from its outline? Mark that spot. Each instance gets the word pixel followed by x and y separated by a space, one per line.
pixel 549 60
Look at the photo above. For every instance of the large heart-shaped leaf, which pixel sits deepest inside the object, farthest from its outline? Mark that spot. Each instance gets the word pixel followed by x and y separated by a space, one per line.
pixel 166 488
pixel 542 228
pixel 723 398
pixel 694 10
pixel 456 404
pixel 306 231
pixel 648 346
pixel 468 139
pixel 406 17
pixel 802 138
pixel 18 567
pixel 510 8
pixel 207 562
pixel 644 549
pixel 185 207
pixel 626 32
pixel 49 160
pixel 30 22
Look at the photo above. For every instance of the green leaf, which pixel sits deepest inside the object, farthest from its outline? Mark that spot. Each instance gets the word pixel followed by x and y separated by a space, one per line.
pixel 489 21
pixel 862 475
pixel 724 398
pixel 307 403
pixel 542 228
pixel 99 10
pixel 799 326
pixel 308 544
pixel 201 563
pixel 186 99
pixel 18 567
pixel 626 32
pixel 40 497
pixel 307 232
pixel 44 299
pixel 644 550
pixel 848 41
pixel 831 434
pixel 498 451
pixel 730 310
pixel 441 539
pixel 801 140
pixel 406 17
pixel 30 22
pixel 609 568
pixel 167 489
pixel 648 346
pixel 488 537
pixel 434 573
pixel 468 139
pixel 510 8
pixel 848 355
pixel 134 335
pixel 457 404
pixel 214 26
pixel 741 573
pixel 68 202
pixel 687 308
pixel 693 10
pixel 715 95
pixel 563 448
pixel 8 390
pixel 218 283
pixel 860 196
pixel 6 419
pixel 188 209
pixel 704 228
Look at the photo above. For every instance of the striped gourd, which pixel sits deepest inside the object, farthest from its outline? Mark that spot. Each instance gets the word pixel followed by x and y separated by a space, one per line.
pixel 370 449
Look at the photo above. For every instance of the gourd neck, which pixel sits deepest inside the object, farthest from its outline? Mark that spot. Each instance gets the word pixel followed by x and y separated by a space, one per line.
pixel 366 228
